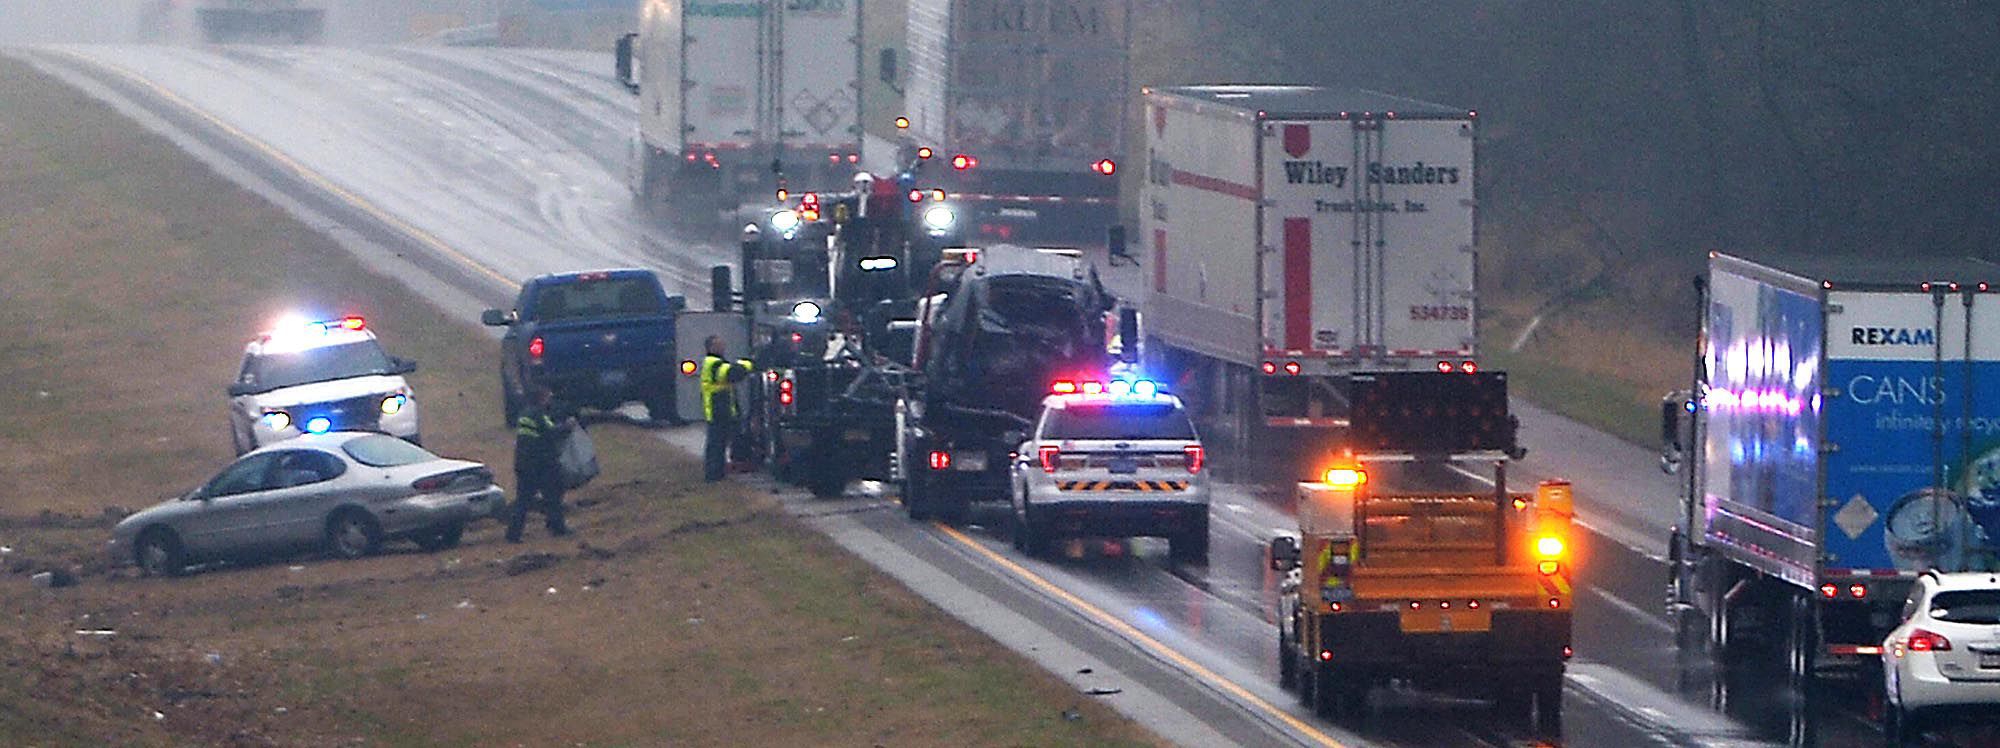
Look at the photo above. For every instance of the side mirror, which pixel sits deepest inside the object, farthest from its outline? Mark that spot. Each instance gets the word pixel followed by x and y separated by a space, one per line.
pixel 1128 335
pixel 497 318
pixel 240 389
pixel 1284 553
pixel 886 61
pixel 1673 408
pixel 628 73
pixel 402 366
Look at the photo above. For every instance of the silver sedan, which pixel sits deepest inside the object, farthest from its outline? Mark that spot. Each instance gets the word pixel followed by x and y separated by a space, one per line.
pixel 345 492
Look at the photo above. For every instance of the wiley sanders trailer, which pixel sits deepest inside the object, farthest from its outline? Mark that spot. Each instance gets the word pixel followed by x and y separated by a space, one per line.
pixel 1843 435
pixel 740 97
pixel 1293 235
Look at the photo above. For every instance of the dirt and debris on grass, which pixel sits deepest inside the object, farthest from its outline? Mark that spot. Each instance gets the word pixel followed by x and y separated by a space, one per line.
pixel 679 614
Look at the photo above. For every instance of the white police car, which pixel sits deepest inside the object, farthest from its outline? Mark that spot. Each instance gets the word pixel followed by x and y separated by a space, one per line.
pixel 1113 458
pixel 316 377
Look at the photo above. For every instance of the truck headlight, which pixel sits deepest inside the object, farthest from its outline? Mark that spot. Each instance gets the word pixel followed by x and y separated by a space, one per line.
pixel 940 218
pixel 805 312
pixel 276 420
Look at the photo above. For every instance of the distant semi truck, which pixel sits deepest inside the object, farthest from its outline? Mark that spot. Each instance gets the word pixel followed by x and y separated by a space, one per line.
pixel 738 98
pixel 231 21
pixel 1024 106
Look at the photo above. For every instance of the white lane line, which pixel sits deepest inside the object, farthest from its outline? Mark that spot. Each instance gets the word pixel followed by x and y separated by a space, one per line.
pixel 1634 611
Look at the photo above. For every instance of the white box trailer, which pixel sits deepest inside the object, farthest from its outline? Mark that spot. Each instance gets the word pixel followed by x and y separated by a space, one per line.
pixel 1843 436
pixel 1296 234
pixel 728 87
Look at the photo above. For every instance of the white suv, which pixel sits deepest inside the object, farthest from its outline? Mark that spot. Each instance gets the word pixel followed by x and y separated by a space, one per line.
pixel 1944 659
pixel 316 377
pixel 1112 459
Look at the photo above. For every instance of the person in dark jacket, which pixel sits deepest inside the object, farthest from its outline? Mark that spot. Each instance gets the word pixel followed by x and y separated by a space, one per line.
pixel 719 377
pixel 538 480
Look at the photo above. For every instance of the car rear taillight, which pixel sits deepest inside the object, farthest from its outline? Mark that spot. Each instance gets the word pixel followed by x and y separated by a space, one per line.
pixel 535 348
pixel 1927 641
pixel 784 392
pixel 940 460
pixel 1051 458
pixel 434 482
pixel 1195 457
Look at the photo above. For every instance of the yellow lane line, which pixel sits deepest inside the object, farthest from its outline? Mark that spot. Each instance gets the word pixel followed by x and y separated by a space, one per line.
pixel 1138 637
pixel 303 172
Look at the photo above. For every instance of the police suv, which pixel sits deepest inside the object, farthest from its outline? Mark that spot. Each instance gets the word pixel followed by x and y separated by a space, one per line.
pixel 315 377
pixel 1115 458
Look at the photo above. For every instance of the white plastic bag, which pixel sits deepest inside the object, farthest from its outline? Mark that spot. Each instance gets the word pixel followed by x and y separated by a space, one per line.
pixel 579 459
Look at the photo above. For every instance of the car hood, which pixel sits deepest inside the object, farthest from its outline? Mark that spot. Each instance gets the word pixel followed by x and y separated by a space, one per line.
pixel 130 525
pixel 321 392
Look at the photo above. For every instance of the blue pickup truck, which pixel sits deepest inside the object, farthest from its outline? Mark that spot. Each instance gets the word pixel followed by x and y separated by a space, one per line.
pixel 599 339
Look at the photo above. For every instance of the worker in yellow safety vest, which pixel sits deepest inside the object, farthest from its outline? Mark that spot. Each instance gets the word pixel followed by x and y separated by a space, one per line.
pixel 719 377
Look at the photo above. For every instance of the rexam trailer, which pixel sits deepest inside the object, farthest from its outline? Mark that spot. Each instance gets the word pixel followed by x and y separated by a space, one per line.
pixel 1291 236
pixel 1842 435
pixel 740 97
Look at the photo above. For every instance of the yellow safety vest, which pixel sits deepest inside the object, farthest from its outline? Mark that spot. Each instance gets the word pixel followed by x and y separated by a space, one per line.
pixel 715 384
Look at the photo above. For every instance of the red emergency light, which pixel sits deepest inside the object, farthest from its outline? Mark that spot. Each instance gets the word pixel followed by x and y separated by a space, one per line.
pixel 1107 167
pixel 962 162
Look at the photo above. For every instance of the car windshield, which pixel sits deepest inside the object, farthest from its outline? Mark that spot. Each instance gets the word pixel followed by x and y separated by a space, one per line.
pixel 1969 606
pixel 381 450
pixel 322 364
pixel 1131 421
pixel 609 297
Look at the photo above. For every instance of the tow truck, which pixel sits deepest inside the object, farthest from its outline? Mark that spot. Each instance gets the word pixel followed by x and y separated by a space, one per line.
pixel 1448 591
pixel 830 286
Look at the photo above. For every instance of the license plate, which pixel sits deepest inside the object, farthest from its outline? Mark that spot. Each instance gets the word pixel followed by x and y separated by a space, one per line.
pixel 612 378
pixel 1989 660
pixel 971 462
pixel 1124 465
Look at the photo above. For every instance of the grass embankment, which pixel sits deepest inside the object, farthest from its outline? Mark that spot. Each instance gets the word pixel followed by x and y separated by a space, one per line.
pixel 1592 363
pixel 685 615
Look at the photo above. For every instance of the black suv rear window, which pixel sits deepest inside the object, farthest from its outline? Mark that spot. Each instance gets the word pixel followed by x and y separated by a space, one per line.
pixel 609 297
pixel 1967 606
pixel 1128 421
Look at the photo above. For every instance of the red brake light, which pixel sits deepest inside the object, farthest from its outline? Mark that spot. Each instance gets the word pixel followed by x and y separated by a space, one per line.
pixel 940 460
pixel 784 392
pixel 1107 167
pixel 1051 456
pixel 1270 367
pixel 432 482
pixel 961 162
pixel 1829 590
pixel 1444 367
pixel 1927 641
pixel 810 198
pixel 1468 367
pixel 1195 457
pixel 535 348
pixel 1292 368
pixel 1857 591
pixel 916 196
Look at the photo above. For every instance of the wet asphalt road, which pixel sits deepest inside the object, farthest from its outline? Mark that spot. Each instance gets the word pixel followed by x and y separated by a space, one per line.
pixel 463 171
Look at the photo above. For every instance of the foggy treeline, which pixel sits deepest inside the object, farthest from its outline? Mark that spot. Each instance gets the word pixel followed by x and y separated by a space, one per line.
pixel 1622 138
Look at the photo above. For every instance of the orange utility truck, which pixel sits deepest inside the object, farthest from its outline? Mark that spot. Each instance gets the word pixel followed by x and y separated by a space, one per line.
pixel 1465 590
